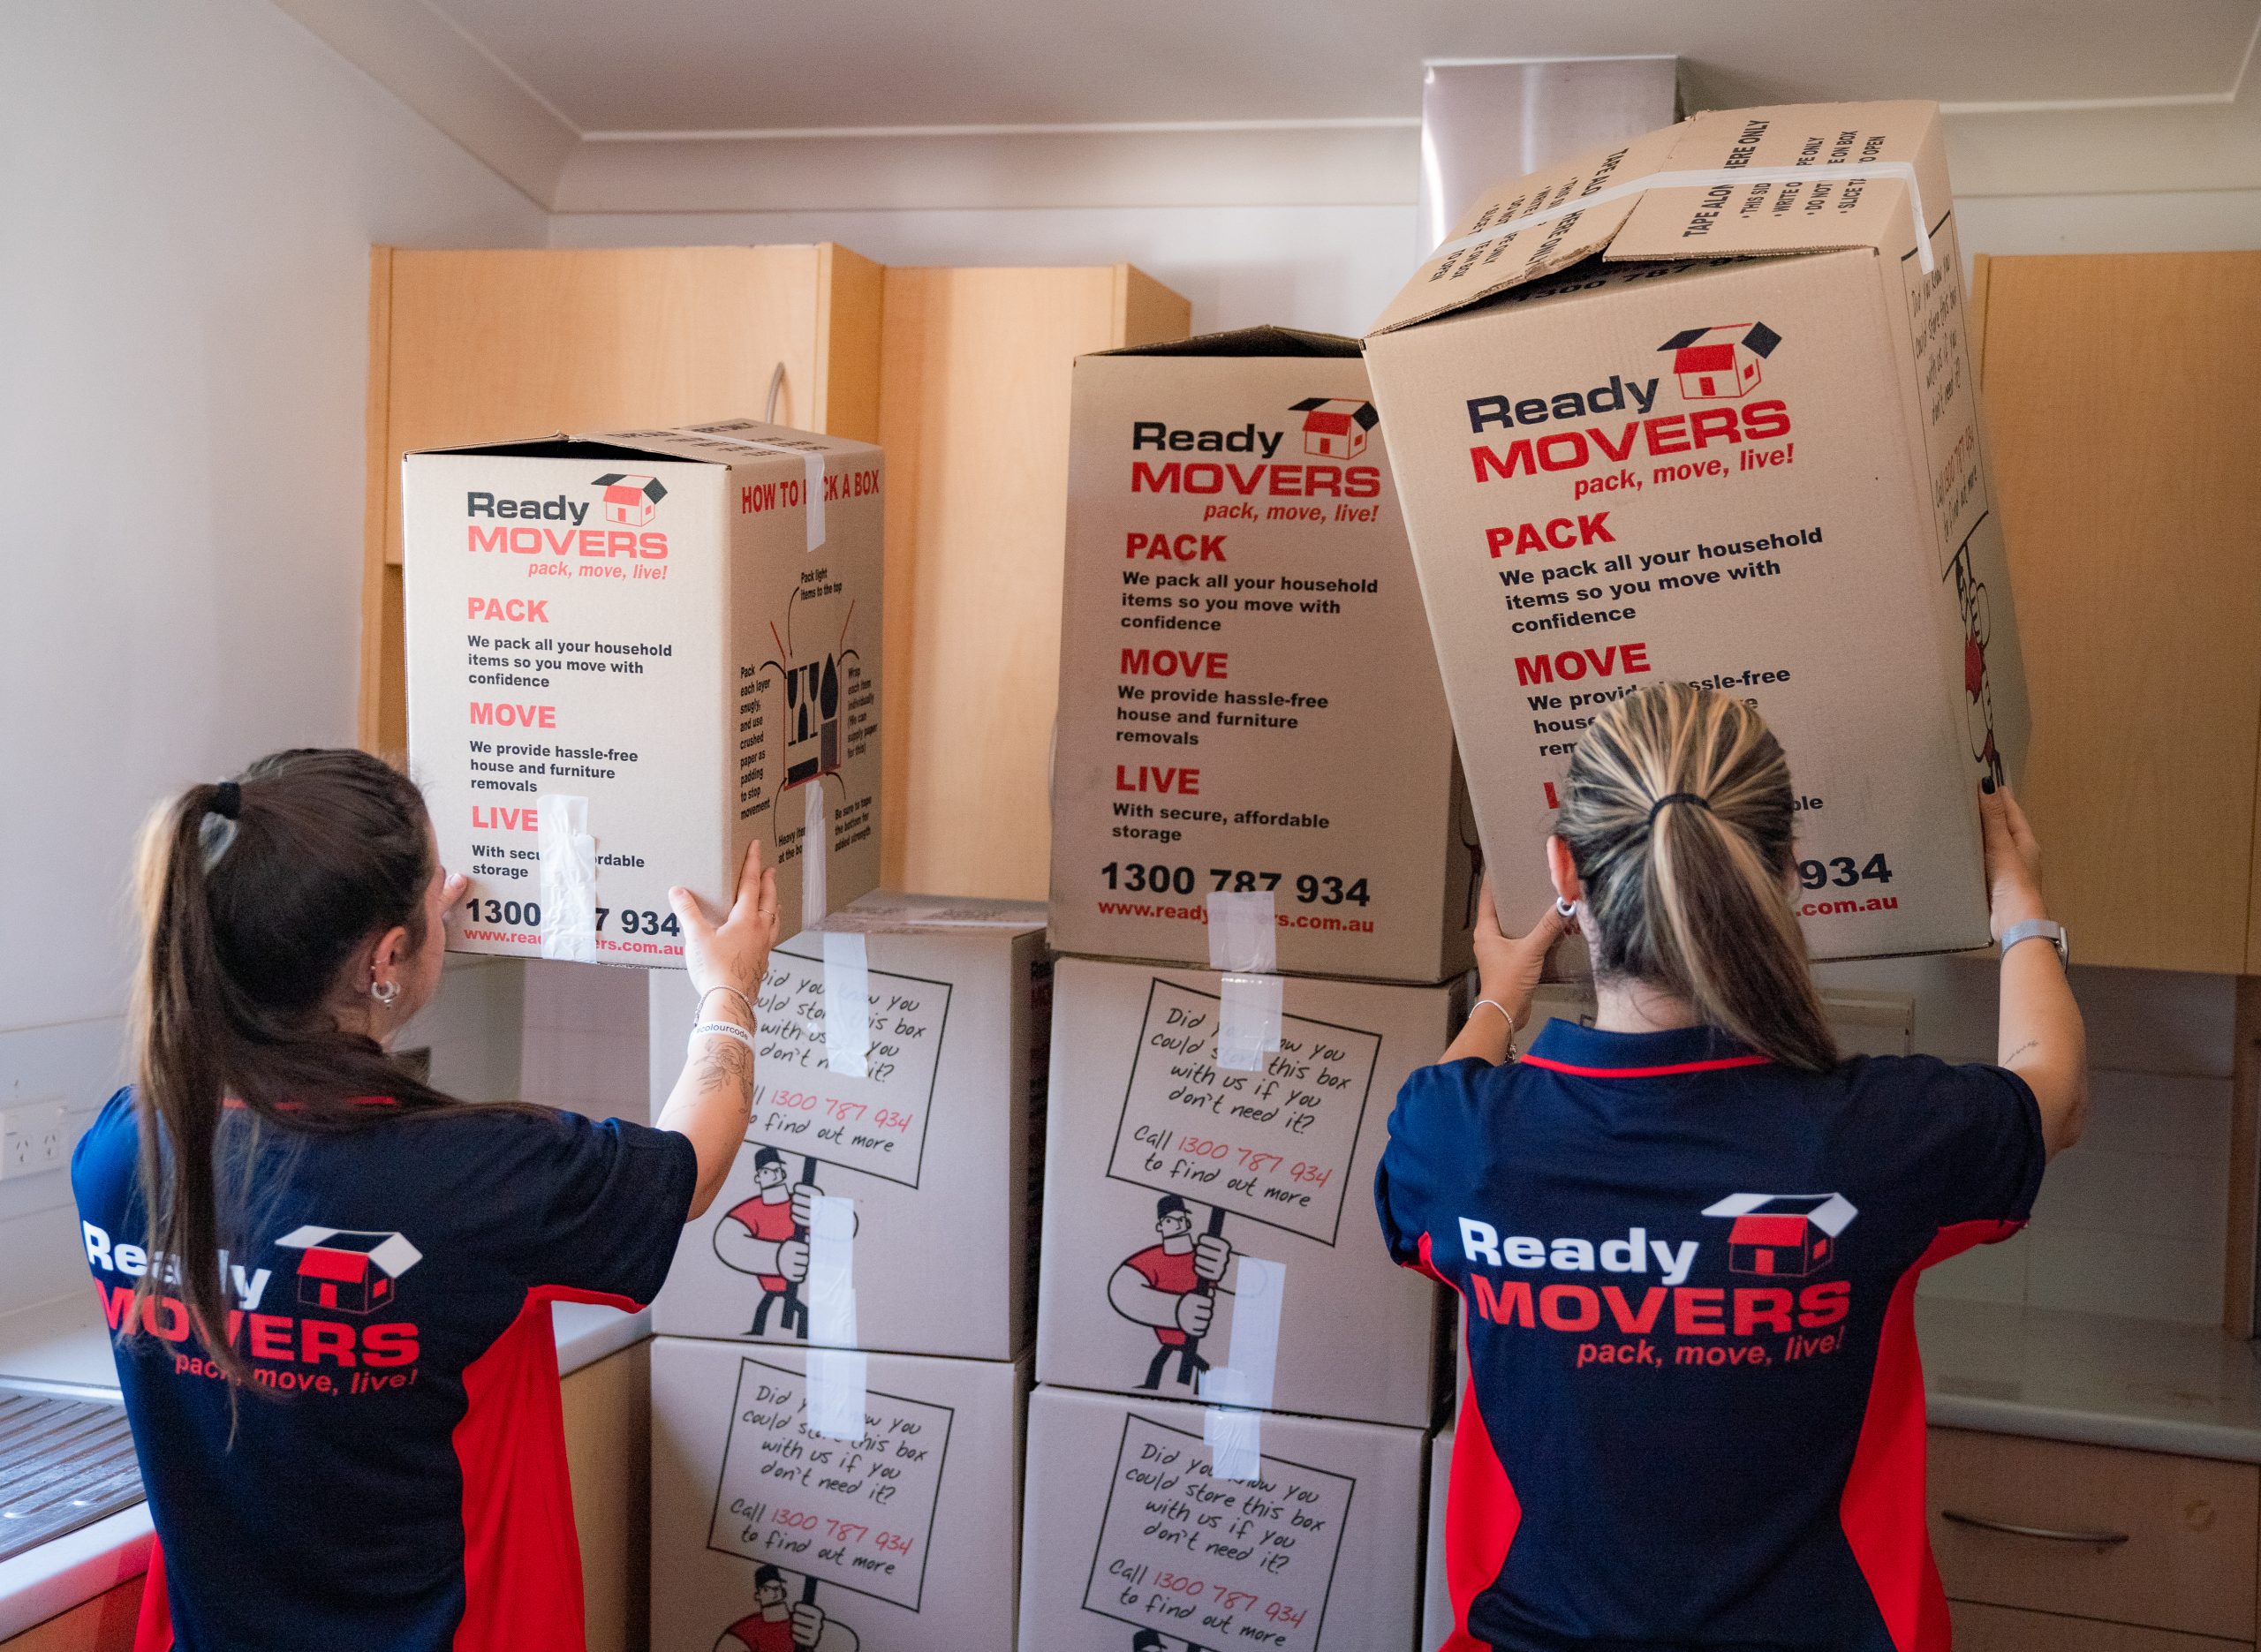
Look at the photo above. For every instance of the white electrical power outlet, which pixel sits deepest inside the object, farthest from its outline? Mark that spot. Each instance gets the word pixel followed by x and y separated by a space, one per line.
pixel 36 1139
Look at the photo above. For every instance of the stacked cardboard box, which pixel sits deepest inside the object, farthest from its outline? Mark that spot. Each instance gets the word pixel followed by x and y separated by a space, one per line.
pixel 1261 857
pixel 630 656
pixel 1724 432
pixel 842 1361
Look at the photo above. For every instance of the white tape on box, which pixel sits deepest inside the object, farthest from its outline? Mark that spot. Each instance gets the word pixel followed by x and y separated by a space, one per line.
pixel 1243 932
pixel 836 1367
pixel 1235 1440
pixel 816 838
pixel 1711 177
pixel 1248 1022
pixel 847 1004
pixel 812 470
pixel 569 877
pixel 1245 1379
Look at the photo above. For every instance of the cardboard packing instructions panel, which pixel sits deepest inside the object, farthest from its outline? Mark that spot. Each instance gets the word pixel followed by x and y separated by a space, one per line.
pixel 1248 703
pixel 902 1076
pixel 834 1502
pixel 1723 431
pixel 1139 1535
pixel 1209 1233
pixel 629 656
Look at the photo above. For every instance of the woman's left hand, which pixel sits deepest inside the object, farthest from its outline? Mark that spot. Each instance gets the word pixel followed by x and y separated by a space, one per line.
pixel 1508 967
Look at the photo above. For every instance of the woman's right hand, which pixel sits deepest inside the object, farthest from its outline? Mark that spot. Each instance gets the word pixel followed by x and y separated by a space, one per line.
pixel 1508 967
pixel 735 953
pixel 2013 860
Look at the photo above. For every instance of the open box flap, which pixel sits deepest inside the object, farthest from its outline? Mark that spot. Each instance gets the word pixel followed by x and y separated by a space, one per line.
pixel 1849 170
pixel 1247 341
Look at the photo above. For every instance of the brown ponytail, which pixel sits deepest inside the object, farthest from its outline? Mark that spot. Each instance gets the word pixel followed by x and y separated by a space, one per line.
pixel 1677 813
pixel 254 896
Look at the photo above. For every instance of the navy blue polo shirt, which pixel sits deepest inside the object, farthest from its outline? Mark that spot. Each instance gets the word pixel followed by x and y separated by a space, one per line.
pixel 394 1479
pixel 1695 1416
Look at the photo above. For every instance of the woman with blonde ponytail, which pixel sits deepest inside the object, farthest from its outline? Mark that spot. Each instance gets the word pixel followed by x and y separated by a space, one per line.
pixel 1686 1238
pixel 329 1282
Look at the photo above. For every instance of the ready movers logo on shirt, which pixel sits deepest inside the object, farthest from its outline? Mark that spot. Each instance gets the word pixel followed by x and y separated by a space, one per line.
pixel 339 1271
pixel 1773 1236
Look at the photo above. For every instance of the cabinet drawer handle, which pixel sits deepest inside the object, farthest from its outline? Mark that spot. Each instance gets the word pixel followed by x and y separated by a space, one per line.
pixel 2101 1540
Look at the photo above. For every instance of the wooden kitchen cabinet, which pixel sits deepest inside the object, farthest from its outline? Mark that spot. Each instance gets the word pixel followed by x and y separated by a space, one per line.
pixel 2004 1629
pixel 608 1450
pixel 974 377
pixel 489 345
pixel 2126 435
pixel 2187 1562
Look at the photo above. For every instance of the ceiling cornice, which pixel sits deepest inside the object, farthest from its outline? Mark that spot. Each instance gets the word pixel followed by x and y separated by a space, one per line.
pixel 2193 141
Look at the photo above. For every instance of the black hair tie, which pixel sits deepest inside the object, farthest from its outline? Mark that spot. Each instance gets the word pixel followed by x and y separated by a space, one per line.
pixel 227 800
pixel 1657 808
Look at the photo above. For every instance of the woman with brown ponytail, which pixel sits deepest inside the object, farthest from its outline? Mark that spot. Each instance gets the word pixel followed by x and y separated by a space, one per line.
pixel 1687 1238
pixel 330 1282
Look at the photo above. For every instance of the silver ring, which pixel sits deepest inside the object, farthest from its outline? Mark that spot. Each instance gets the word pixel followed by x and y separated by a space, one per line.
pixel 384 991
pixel 1565 909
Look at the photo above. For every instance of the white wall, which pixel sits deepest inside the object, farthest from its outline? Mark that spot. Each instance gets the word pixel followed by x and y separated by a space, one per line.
pixel 188 191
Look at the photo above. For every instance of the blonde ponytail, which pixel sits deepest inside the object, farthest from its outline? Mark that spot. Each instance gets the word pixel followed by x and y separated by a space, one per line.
pixel 1677 812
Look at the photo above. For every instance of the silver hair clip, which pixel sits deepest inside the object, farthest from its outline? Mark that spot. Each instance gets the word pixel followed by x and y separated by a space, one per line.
pixel 214 834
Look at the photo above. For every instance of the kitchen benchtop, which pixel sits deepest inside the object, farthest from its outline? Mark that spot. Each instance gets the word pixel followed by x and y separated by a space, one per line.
pixel 2095 1378
pixel 65 1344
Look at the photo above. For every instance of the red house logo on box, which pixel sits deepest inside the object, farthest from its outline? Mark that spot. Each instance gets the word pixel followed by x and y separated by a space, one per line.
pixel 351 1271
pixel 628 500
pixel 1335 429
pixel 1718 363
pixel 1783 1235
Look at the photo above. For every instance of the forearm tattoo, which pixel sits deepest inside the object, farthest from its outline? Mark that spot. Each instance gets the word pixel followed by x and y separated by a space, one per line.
pixel 725 1069
pixel 2029 1045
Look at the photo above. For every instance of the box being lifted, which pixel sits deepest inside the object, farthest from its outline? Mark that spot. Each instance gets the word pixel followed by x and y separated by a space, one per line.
pixel 1210 1233
pixel 1248 703
pixel 929 1120
pixel 1725 432
pixel 629 655
pixel 1295 1534
pixel 811 1501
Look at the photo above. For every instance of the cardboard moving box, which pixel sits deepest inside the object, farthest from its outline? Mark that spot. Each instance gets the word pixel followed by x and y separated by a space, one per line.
pixel 1248 703
pixel 1436 1589
pixel 1133 1542
pixel 629 656
pixel 768 1532
pixel 1725 432
pixel 1205 1226
pixel 937 1143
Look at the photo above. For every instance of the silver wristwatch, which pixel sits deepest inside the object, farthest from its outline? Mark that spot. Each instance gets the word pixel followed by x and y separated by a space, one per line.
pixel 2039 928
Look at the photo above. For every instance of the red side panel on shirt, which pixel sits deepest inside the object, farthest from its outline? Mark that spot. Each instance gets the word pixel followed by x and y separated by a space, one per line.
pixel 1882 1508
pixel 522 1558
pixel 153 1630
pixel 1481 1514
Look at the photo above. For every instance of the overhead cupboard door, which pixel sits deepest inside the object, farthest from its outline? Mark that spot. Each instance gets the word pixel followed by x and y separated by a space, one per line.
pixel 489 345
pixel 2126 427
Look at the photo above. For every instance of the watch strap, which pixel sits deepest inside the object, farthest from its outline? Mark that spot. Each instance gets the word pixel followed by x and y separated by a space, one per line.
pixel 2038 929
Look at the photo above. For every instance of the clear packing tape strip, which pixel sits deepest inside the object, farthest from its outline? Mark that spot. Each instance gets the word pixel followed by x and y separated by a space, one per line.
pixel 1710 177
pixel 1243 932
pixel 569 877
pixel 847 1004
pixel 1239 1391
pixel 811 469
pixel 816 838
pixel 836 1367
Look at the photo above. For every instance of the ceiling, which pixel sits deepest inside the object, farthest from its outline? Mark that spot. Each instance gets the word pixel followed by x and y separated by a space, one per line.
pixel 739 65
pixel 751 105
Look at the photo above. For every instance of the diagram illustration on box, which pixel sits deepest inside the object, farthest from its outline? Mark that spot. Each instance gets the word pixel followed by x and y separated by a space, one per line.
pixel 873 1122
pixel 1275 1146
pixel 857 1514
pixel 1204 1562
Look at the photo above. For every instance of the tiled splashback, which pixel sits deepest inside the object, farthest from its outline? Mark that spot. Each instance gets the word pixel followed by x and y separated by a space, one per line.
pixel 2131 1221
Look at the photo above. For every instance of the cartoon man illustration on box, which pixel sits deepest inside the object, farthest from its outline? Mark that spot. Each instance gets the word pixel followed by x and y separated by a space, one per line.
pixel 1168 1286
pixel 767 1237
pixel 778 1625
